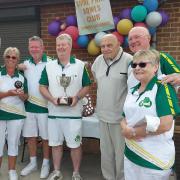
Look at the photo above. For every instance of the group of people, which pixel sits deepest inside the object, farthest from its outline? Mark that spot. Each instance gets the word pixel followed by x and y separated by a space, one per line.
pixel 136 105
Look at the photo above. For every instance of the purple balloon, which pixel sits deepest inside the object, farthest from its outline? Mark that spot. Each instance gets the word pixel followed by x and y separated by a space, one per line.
pixel 116 20
pixel 54 27
pixel 165 18
pixel 71 20
pixel 125 14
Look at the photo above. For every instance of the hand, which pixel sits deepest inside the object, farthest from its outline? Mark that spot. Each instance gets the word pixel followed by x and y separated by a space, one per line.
pixel 54 101
pixel 173 79
pixel 22 67
pixel 127 132
pixel 13 92
pixel 74 101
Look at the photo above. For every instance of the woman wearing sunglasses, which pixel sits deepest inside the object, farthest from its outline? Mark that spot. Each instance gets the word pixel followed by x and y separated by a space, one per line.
pixel 148 125
pixel 13 92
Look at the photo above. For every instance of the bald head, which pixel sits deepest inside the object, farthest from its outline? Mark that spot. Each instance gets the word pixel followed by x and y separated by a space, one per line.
pixel 109 46
pixel 139 39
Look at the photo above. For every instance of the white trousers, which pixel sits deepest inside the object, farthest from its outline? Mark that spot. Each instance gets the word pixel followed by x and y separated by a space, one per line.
pixel 10 130
pixel 135 172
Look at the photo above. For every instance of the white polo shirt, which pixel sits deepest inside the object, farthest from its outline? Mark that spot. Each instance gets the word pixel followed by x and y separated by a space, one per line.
pixel 11 107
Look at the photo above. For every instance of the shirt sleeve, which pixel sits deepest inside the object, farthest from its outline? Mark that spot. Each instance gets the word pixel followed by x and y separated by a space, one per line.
pixel 168 64
pixel 167 101
pixel 44 78
pixel 86 78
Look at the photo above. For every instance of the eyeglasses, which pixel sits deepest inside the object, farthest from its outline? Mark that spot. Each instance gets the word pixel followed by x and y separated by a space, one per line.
pixel 141 64
pixel 12 57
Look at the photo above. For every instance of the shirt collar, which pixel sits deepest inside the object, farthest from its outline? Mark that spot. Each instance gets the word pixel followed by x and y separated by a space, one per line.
pixel 149 86
pixel 71 61
pixel 4 72
pixel 44 59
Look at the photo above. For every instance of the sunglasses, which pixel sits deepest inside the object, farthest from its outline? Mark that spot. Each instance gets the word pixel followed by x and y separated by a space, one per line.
pixel 141 64
pixel 12 57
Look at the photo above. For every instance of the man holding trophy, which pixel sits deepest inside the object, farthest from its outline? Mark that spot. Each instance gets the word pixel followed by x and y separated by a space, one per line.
pixel 63 83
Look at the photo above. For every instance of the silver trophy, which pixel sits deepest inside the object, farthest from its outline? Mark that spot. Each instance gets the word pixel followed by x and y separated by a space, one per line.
pixel 64 81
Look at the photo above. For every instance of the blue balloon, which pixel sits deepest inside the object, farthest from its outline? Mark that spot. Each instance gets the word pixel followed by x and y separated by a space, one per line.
pixel 151 5
pixel 83 41
pixel 152 30
pixel 125 43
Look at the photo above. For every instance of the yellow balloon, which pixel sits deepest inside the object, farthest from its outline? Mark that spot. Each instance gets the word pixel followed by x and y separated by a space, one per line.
pixel 92 48
pixel 124 26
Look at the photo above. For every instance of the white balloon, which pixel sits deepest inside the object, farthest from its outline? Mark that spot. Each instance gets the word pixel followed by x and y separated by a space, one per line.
pixel 98 37
pixel 153 19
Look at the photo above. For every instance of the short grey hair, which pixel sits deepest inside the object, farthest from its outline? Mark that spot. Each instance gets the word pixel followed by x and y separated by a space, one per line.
pixel 151 55
pixel 36 38
pixel 10 50
pixel 66 37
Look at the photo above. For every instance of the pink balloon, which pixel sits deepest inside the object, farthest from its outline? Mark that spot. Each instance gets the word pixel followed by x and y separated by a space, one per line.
pixel 73 32
pixel 119 37
pixel 140 24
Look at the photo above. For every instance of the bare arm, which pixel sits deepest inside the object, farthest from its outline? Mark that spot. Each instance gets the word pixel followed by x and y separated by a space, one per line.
pixel 140 131
pixel 45 92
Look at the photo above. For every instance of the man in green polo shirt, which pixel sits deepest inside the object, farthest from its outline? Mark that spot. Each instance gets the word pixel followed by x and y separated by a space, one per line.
pixel 60 79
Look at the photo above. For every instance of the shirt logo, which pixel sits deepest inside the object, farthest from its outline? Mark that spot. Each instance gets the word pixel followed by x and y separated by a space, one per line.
pixel 78 138
pixel 146 102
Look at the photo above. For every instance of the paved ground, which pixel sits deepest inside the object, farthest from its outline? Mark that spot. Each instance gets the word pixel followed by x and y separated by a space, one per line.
pixel 90 168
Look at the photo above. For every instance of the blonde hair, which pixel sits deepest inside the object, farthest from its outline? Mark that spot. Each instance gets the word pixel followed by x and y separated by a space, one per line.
pixel 151 55
pixel 66 37
pixel 10 50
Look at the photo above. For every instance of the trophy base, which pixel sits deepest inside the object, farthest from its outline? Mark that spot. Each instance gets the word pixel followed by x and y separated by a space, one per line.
pixel 64 101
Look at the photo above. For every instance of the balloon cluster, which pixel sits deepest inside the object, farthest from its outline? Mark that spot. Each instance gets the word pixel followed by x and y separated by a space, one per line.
pixel 145 14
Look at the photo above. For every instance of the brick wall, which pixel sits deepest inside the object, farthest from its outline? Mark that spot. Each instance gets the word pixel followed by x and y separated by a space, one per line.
pixel 168 37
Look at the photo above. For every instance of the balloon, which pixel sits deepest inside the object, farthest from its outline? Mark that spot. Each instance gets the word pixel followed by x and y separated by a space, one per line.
pixel 83 41
pixel 92 48
pixel 71 20
pixel 126 44
pixel 54 27
pixel 73 32
pixel 153 19
pixel 124 26
pixel 152 30
pixel 119 37
pixel 139 13
pixel 140 24
pixel 75 45
pixel 165 18
pixel 125 14
pixel 151 5
pixel 116 20
pixel 63 26
pixel 98 37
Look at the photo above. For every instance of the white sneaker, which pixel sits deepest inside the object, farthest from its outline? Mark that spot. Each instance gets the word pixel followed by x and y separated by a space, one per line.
pixel 55 175
pixel 13 175
pixel 44 171
pixel 28 169
pixel 76 176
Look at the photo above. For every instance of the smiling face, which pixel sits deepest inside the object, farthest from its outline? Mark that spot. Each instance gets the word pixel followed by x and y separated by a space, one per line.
pixel 138 39
pixel 109 46
pixel 11 57
pixel 63 47
pixel 145 65
pixel 36 49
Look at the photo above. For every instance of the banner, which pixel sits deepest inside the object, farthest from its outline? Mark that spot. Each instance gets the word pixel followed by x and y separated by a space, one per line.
pixel 93 16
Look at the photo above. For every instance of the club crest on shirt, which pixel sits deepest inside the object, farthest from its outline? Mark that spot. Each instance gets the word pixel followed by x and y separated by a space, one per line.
pixel 78 138
pixel 146 102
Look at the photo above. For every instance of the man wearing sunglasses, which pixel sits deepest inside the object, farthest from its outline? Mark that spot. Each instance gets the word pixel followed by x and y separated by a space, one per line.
pixel 139 39
pixel 110 73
